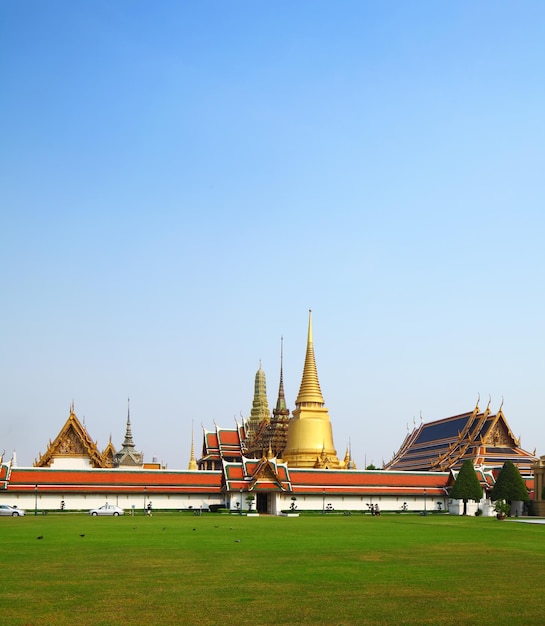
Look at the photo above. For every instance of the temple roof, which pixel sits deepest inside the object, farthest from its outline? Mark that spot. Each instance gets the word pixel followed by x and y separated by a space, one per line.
pixel 445 444
pixel 72 441
pixel 256 475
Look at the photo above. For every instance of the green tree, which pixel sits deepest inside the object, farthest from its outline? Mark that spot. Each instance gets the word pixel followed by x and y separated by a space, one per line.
pixel 467 485
pixel 509 485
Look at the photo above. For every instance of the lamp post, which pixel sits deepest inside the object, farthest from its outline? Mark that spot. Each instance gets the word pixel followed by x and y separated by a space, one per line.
pixel 323 502
pixel 240 502
pixel 425 511
pixel 145 494
pixel 35 499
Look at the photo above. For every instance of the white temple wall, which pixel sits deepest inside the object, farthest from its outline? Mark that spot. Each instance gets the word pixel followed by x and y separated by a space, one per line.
pixel 129 502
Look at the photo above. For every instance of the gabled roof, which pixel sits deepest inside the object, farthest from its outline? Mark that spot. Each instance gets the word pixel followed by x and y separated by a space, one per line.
pixel 256 475
pixel 72 441
pixel 222 443
pixel 445 444
pixel 108 454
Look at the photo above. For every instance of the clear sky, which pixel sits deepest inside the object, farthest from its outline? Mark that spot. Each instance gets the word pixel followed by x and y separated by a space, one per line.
pixel 181 181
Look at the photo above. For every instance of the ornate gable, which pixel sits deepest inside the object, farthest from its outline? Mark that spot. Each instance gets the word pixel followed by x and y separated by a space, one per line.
pixel 108 455
pixel 499 434
pixel 264 475
pixel 73 442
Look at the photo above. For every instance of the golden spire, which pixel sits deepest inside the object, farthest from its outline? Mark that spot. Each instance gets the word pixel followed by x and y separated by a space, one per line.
pixel 192 463
pixel 310 437
pixel 310 386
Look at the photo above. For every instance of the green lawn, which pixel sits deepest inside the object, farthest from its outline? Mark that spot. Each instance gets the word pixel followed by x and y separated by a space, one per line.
pixel 221 569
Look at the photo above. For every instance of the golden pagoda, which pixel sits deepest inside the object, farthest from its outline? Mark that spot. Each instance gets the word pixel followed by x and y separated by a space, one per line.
pixel 260 413
pixel 269 436
pixel 310 436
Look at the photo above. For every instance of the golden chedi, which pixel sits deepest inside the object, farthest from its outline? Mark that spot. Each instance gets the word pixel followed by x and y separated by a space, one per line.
pixel 310 436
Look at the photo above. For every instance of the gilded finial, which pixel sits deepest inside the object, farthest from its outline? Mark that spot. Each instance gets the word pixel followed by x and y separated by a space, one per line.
pixel 192 462
pixel 501 405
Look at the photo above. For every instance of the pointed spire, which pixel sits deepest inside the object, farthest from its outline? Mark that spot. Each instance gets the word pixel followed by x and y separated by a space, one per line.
pixel 260 406
pixel 128 443
pixel 310 386
pixel 281 408
pixel 192 462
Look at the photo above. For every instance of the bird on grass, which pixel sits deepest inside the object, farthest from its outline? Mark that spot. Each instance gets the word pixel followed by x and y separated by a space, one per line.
pixel 40 537
pixel 237 540
pixel 82 535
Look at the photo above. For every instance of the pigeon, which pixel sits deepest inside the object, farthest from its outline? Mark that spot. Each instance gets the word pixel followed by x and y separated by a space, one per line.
pixel 237 540
pixel 40 537
pixel 82 535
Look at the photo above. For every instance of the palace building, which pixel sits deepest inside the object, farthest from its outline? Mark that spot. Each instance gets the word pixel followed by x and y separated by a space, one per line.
pixel 271 463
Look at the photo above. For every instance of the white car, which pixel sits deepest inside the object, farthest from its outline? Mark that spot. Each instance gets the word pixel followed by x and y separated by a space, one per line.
pixel 107 509
pixel 6 509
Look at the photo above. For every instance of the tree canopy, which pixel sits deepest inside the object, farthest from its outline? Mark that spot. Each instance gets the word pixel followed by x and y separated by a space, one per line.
pixel 509 485
pixel 467 485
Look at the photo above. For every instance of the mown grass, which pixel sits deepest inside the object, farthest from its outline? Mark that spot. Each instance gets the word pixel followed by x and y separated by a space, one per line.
pixel 220 569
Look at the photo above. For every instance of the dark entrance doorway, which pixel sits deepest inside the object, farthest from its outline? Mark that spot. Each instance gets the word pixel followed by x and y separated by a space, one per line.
pixel 262 502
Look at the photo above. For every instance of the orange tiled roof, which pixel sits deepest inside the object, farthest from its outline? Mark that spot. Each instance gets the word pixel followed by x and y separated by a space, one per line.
pixel 114 480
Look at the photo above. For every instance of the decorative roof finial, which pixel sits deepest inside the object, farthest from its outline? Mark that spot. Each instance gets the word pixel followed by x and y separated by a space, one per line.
pixel 192 463
pixel 281 407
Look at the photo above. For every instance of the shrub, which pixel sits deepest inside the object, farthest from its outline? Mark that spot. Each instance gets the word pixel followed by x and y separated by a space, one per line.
pixel 467 485
pixel 509 485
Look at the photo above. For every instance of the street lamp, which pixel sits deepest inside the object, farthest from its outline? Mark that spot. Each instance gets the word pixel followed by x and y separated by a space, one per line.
pixel 425 511
pixel 36 500
pixel 323 502
pixel 240 502
pixel 145 493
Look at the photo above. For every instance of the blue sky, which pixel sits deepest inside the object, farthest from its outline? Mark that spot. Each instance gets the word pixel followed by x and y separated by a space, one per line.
pixel 181 182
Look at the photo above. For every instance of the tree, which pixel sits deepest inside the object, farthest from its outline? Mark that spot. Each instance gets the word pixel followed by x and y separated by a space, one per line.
pixel 509 485
pixel 467 485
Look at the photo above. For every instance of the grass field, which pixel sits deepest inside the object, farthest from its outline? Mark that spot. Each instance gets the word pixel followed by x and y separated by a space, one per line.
pixel 221 569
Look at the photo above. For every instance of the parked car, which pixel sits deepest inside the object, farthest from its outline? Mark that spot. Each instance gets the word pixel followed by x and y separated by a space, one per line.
pixel 6 509
pixel 107 509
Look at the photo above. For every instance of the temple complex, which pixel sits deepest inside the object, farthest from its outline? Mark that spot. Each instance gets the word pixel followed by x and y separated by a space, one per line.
pixel 274 463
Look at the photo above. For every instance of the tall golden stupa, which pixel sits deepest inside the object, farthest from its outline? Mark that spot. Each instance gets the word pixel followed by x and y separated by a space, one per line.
pixel 310 436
